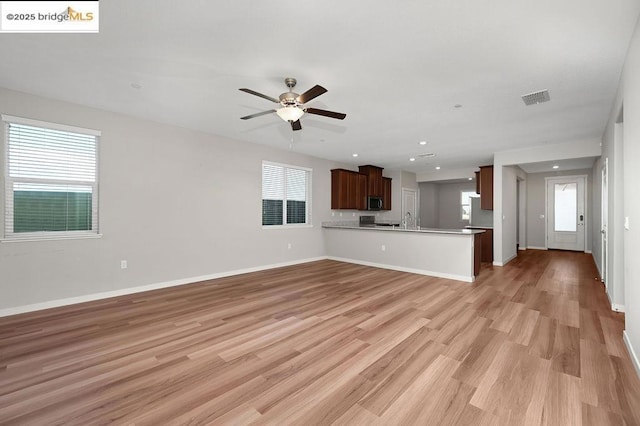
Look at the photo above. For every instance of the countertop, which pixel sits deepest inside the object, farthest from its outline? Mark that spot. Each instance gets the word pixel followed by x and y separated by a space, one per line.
pixel 478 227
pixel 354 225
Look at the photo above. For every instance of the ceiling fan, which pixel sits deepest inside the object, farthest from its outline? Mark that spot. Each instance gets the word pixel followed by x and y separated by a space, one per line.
pixel 292 105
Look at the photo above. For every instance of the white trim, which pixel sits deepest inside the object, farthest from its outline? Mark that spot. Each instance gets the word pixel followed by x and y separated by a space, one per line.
pixel 49 125
pixel 632 353
pixel 288 226
pixel 598 268
pixel 497 263
pixel 617 307
pixel 537 248
pixel 588 251
pixel 403 269
pixel 522 248
pixel 585 200
pixel 91 236
pixel 131 290
pixel 511 258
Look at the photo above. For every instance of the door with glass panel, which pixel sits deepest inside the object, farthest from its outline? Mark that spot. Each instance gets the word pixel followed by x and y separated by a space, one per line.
pixel 566 214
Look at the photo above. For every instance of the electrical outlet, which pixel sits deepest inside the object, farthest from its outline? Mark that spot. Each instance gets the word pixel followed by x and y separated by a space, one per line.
pixel 353 214
pixel 541 216
pixel 340 214
pixel 333 213
pixel 626 223
pixel 289 246
pixel 123 264
pixel 383 248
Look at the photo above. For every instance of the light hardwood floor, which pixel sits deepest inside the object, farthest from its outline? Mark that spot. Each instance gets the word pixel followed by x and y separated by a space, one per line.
pixel 532 343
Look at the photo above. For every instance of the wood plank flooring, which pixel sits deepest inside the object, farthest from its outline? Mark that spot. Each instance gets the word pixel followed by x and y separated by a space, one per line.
pixel 532 343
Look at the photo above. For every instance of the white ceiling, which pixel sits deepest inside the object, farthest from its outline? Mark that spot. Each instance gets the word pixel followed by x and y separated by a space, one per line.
pixel 395 68
pixel 563 165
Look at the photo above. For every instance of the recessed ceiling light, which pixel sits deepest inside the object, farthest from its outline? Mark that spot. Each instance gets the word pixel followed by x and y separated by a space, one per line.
pixel 470 178
pixel 422 142
pixel 437 167
pixel 354 155
pixel 556 167
pixel 412 159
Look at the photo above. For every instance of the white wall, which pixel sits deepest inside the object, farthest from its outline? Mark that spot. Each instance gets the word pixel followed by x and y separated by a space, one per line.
pixel 449 204
pixel 629 94
pixel 174 203
pixel 428 204
pixel 508 218
pixel 612 150
pixel 536 206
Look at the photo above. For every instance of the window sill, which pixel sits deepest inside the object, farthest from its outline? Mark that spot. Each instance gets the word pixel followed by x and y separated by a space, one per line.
pixel 286 226
pixel 51 238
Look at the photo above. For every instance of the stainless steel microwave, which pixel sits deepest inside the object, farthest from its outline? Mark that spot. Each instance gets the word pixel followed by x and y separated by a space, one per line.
pixel 374 203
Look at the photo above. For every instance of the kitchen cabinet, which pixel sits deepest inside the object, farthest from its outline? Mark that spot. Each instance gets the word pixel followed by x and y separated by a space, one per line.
pixel 477 253
pixel 386 193
pixel 477 182
pixel 358 190
pixel 486 187
pixel 487 245
pixel 348 190
pixel 374 180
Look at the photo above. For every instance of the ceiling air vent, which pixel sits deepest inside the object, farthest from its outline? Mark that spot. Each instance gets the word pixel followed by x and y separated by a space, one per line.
pixel 429 155
pixel 536 97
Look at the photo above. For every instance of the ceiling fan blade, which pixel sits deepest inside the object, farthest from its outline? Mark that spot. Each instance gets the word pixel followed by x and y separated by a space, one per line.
pixel 314 92
pixel 295 125
pixel 253 92
pixel 338 115
pixel 258 114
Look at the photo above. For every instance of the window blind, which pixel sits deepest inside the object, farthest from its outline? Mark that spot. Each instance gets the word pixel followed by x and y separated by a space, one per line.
pixel 285 194
pixel 51 181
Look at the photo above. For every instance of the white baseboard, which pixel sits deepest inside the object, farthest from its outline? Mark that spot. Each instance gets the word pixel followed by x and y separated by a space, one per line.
pixel 536 248
pixel 522 248
pixel 597 266
pixel 404 269
pixel 632 353
pixel 588 251
pixel 616 307
pixel 131 290
pixel 497 263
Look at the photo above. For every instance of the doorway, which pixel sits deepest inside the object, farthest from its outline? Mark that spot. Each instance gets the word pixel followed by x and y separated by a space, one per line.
pixel 409 207
pixel 566 216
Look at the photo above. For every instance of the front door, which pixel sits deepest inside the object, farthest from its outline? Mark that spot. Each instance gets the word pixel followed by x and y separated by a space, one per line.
pixel 566 213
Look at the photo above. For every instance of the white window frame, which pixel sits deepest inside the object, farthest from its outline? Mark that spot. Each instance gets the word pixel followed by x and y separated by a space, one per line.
pixel 308 210
pixel 7 216
pixel 475 195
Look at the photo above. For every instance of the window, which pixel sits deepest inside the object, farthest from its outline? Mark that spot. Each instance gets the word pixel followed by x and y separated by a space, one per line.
pixel 565 207
pixel 51 180
pixel 465 204
pixel 282 183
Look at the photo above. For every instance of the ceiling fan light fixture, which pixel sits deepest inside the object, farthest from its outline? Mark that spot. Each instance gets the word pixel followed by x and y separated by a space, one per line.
pixel 290 113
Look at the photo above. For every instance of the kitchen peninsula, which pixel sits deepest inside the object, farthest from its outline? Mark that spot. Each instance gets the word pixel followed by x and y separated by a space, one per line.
pixel 445 253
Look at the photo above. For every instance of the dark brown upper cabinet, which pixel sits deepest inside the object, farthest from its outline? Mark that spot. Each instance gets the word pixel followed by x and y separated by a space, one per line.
pixel 485 183
pixel 350 189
